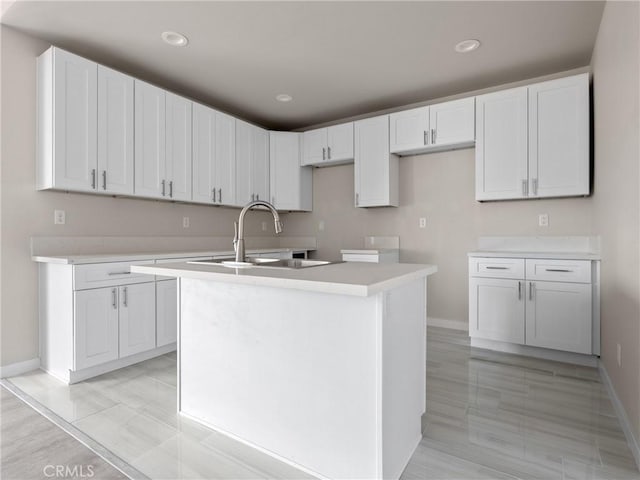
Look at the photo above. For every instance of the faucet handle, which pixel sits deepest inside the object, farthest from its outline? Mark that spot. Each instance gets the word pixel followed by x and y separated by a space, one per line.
pixel 235 236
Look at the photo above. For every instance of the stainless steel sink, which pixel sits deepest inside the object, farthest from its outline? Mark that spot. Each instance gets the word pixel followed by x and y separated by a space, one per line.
pixel 252 262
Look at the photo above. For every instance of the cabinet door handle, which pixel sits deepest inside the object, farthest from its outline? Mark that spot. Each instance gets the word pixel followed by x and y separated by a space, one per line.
pixel 113 298
pixel 220 195
pixel 213 195
pixel 104 179
pixel 257 196
pixel 171 188
pixel 519 290
pixel 93 178
pixel 163 188
pixel 426 138
pixel 324 153
pixel 433 136
pixel 328 153
pixel 253 197
pixel 563 270
pixel 530 290
pixel 497 268
pixel 534 186
pixel 124 299
pixel 525 188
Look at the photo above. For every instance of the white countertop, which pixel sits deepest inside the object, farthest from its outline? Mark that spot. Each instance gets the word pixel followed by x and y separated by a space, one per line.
pixel 366 251
pixel 127 257
pixel 350 278
pixel 550 255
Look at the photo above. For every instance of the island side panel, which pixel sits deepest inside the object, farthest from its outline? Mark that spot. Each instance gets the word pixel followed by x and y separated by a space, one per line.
pixel 294 373
pixel 404 329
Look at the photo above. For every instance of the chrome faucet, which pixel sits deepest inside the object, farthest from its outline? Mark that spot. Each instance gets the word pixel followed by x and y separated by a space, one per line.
pixel 238 240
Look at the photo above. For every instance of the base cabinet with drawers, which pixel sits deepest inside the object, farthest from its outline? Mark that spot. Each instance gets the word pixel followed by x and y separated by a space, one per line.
pixel 546 303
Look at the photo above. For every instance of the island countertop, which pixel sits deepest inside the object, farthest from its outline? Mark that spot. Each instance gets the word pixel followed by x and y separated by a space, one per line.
pixel 345 278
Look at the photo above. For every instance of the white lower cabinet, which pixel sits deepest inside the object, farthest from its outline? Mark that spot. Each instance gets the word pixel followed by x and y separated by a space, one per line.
pixel 96 326
pixel 524 310
pixel 137 318
pixel 166 312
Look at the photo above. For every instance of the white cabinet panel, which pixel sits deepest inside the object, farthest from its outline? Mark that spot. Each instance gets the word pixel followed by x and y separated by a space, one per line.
pixel 137 318
pixel 328 146
pixel 252 163
pixel 95 327
pixel 559 137
pixel 375 170
pixel 291 185
pixel 115 132
pixel 452 123
pixel 166 312
pixel 150 133
pixel 496 309
pixel 225 159
pixel 497 267
pixel 559 316
pixel 340 142
pixel 501 145
pixel 260 164
pixel 314 146
pixel 178 147
pixel 409 130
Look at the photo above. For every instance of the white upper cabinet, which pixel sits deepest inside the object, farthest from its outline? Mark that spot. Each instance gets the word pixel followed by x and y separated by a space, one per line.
pixel 501 145
pixel 150 139
pixel 442 126
pixel 252 163
pixel 559 137
pixel 115 132
pixel 533 141
pixel 162 143
pixel 375 169
pixel 67 122
pixel 291 184
pixel 214 156
pixel 328 146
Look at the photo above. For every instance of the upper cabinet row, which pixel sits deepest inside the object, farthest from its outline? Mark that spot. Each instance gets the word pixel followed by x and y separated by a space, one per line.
pixel 102 131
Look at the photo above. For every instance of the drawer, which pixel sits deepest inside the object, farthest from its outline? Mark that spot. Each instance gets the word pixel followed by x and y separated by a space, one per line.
pixel 358 257
pixel 96 275
pixel 496 267
pixel 576 271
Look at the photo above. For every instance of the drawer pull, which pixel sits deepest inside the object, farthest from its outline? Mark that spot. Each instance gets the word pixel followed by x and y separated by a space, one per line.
pixel 119 273
pixel 563 270
pixel 519 290
pixel 497 268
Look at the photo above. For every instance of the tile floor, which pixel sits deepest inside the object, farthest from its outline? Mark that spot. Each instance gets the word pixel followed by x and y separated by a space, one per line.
pixel 489 416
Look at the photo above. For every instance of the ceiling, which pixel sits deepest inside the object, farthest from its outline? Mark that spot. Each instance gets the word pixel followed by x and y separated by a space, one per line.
pixel 337 59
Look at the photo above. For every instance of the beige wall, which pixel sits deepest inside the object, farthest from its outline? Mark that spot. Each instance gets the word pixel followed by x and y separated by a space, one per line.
pixel 26 212
pixel 616 85
pixel 440 187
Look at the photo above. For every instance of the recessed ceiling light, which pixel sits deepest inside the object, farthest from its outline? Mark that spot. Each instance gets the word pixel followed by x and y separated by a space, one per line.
pixel 467 46
pixel 283 97
pixel 174 38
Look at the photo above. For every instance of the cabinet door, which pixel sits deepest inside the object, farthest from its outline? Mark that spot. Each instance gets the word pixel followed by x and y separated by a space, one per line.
pixel 260 164
pixel 137 318
pixel 95 327
pixel 204 145
pixel 375 170
pixel 559 316
pixel 290 183
pixel 244 154
pixel 225 159
pixel 559 137
pixel 75 129
pixel 501 145
pixel 340 142
pixel 149 141
pixel 166 312
pixel 115 132
pixel 409 129
pixel 496 309
pixel 453 122
pixel 314 146
pixel 178 147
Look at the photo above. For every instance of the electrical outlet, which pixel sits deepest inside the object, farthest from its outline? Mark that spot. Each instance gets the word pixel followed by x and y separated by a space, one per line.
pixel 59 217
pixel 422 222
pixel 619 354
pixel 321 225
pixel 264 226
pixel 543 220
pixel 185 222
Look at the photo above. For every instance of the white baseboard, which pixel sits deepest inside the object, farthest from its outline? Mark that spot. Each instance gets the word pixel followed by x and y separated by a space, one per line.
pixel 444 323
pixel 632 441
pixel 19 368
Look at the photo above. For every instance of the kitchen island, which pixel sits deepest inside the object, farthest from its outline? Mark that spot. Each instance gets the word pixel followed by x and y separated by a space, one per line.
pixel 323 367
